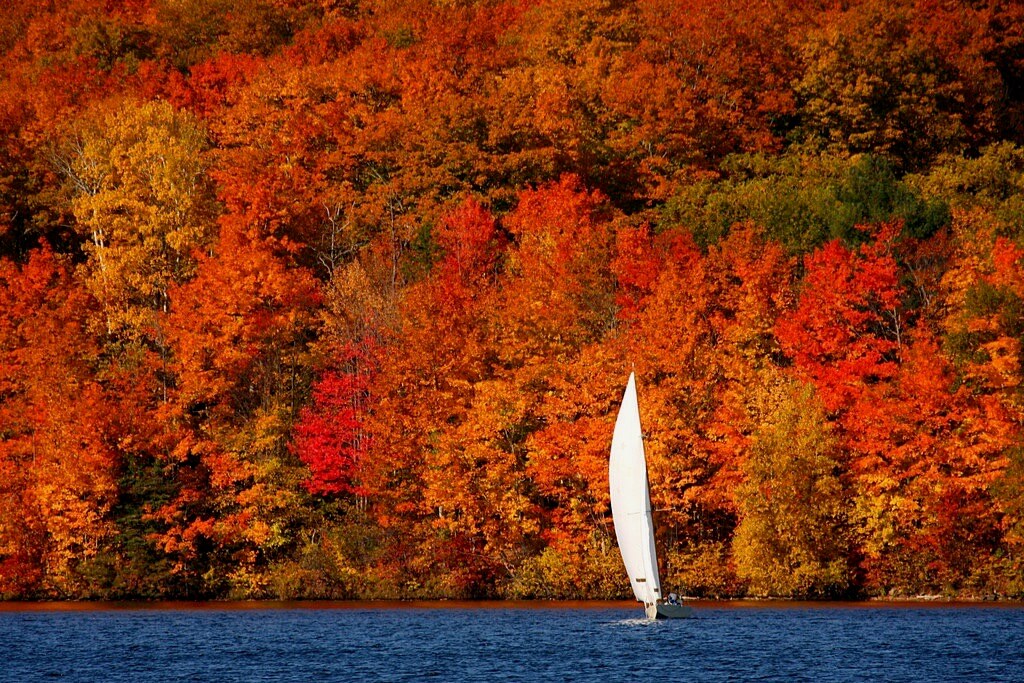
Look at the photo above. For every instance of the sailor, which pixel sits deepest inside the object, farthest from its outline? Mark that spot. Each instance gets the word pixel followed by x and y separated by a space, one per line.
pixel 673 599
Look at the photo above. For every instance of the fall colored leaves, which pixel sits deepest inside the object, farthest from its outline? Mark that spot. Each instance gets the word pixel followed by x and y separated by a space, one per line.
pixel 338 299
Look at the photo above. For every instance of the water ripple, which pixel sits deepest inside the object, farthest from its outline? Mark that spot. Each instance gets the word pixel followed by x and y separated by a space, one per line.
pixel 509 645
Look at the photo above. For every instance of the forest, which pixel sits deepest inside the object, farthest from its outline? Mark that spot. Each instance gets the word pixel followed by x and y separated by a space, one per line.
pixel 338 298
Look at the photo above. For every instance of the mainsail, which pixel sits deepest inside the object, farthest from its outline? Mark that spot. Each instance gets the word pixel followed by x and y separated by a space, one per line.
pixel 631 502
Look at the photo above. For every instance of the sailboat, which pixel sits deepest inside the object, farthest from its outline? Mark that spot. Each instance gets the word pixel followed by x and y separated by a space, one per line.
pixel 631 510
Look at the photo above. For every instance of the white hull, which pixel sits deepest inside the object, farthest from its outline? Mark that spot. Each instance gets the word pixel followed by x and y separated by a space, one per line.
pixel 666 611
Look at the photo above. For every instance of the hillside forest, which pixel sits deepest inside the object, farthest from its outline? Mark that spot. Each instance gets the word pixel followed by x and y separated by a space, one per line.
pixel 338 298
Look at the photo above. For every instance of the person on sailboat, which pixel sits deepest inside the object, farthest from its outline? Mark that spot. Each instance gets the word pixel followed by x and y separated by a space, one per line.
pixel 673 598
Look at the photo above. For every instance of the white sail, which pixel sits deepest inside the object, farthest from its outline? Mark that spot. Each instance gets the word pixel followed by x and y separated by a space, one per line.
pixel 631 502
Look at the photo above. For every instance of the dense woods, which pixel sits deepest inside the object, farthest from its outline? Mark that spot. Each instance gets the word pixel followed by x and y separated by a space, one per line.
pixel 338 299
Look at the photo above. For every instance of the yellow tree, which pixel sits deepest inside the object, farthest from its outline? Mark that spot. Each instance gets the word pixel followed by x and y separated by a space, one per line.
pixel 138 190
pixel 792 538
pixel 142 200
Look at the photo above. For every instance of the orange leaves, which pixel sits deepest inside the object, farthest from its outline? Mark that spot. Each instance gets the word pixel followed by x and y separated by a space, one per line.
pixel 877 74
pixel 1008 265
pixel 636 266
pixel 244 305
pixel 212 84
pixel 568 453
pixel 350 289
pixel 904 415
pixel 989 280
pixel 469 239
pixel 553 225
pixel 560 295
pixel 56 433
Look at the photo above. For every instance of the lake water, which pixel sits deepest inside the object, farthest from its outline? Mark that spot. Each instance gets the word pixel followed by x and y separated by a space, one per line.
pixel 472 642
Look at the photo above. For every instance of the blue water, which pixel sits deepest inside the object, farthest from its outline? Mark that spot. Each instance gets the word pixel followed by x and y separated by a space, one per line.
pixel 722 643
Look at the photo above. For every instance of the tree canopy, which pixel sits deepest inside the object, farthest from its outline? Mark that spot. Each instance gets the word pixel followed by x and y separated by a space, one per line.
pixel 338 299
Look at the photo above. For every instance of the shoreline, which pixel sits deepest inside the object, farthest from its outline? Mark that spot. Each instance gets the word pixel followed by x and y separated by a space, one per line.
pixel 916 602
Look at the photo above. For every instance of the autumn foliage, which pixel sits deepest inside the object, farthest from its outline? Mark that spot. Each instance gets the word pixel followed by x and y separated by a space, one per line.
pixel 338 299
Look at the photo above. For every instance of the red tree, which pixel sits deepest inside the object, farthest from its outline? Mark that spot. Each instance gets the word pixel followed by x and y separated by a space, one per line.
pixel 330 437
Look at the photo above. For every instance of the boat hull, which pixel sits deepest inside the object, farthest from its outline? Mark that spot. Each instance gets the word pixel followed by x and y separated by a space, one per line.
pixel 666 611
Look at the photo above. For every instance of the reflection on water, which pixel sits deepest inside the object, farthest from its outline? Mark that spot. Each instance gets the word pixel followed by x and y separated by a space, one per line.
pixel 502 642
